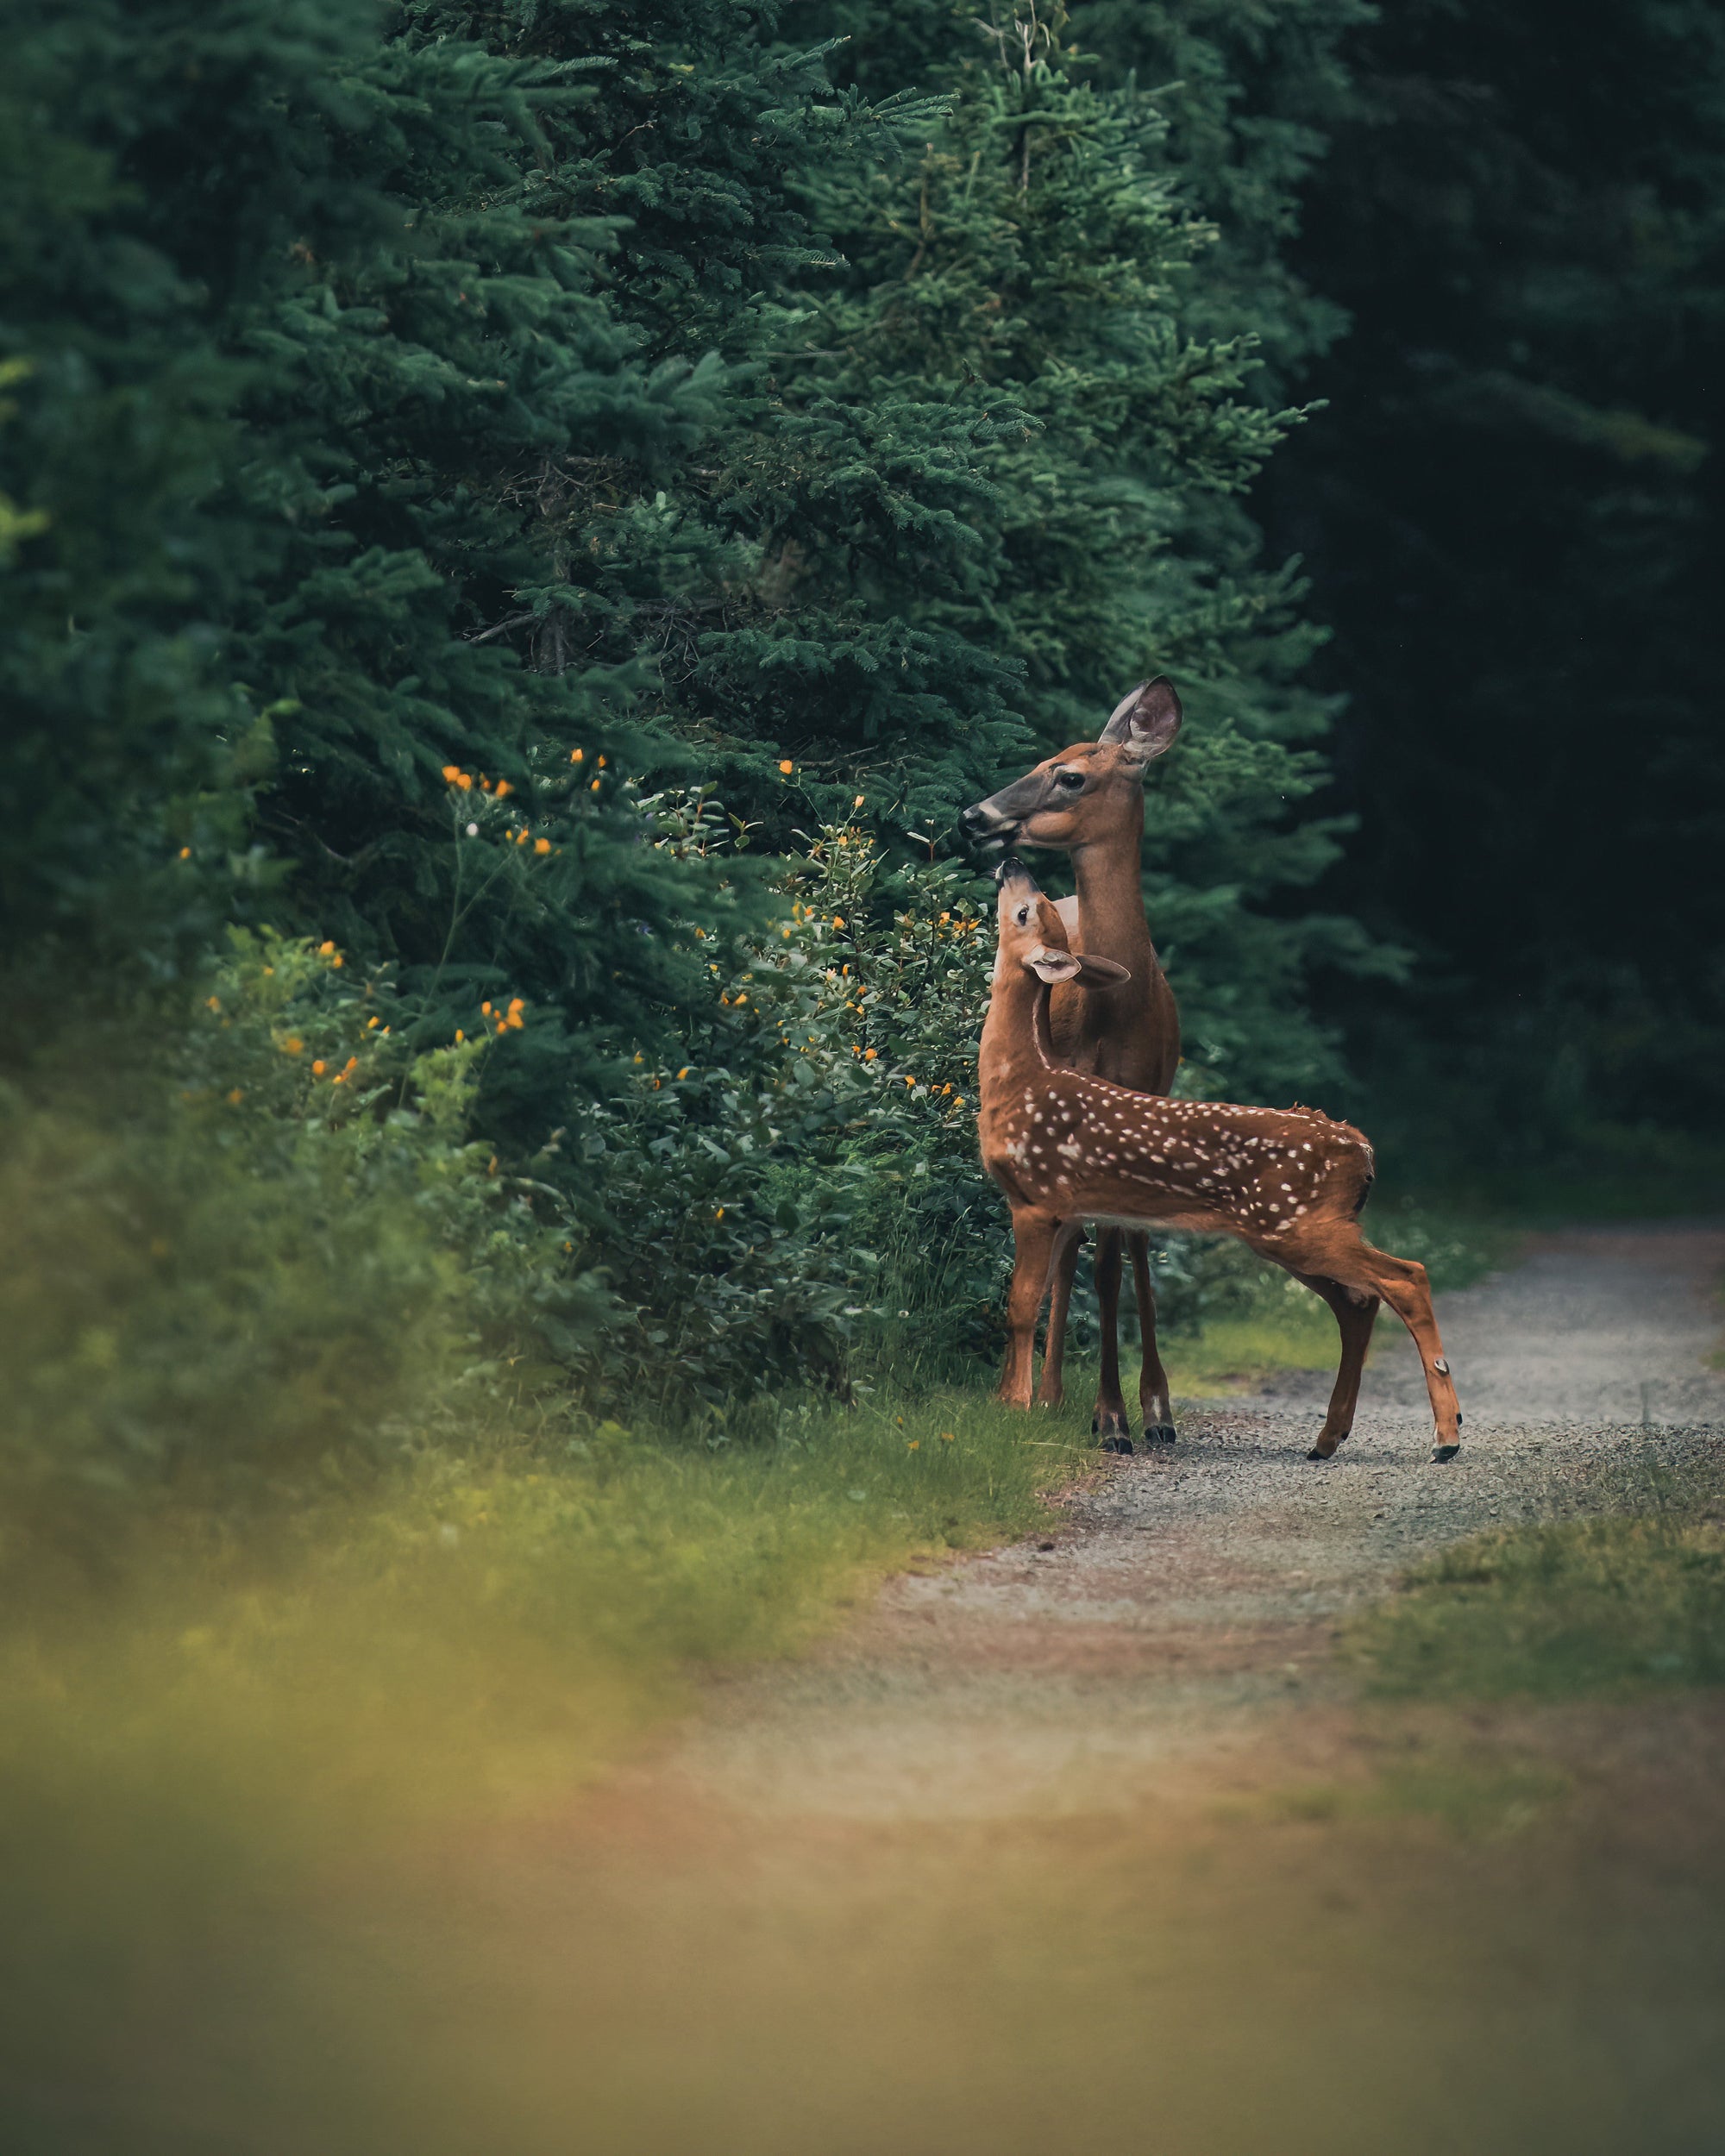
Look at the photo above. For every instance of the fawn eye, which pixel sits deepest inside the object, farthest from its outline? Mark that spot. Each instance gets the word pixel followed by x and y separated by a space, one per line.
pixel 1023 915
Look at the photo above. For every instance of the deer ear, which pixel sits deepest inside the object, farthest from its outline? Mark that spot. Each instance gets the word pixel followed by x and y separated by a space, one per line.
pixel 1146 723
pixel 1050 965
pixel 1100 973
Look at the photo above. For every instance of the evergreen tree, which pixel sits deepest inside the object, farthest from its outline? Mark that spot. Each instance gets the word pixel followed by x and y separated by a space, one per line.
pixel 269 275
pixel 1042 267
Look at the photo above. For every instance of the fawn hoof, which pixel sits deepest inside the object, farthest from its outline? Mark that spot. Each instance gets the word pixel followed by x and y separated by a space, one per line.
pixel 1117 1444
pixel 1160 1433
pixel 1325 1448
pixel 1446 1452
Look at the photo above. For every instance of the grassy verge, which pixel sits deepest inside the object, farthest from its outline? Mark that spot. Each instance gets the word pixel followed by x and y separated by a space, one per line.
pixel 196 1741
pixel 1621 1604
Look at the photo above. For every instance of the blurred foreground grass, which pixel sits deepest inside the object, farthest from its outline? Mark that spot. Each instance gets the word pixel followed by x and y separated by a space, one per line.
pixel 185 1746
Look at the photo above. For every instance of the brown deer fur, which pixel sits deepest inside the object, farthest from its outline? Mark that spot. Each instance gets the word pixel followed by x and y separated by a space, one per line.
pixel 1088 802
pixel 1064 1146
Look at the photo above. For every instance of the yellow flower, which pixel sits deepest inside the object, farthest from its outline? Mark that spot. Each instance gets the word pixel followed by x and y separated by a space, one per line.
pixel 516 1002
pixel 465 781
pixel 685 1070
pixel 212 1003
pixel 915 1445
pixel 185 853
pixel 503 1026
pixel 292 1044
pixel 515 1019
pixel 909 1081
pixel 593 788
pixel 870 1054
pixel 318 1067
pixel 372 1023
pixel 577 756
pixel 502 787
pixel 338 959
pixel 857 803
pixel 542 845
pixel 958 1101
pixel 235 1097
pixel 719 1215
pixel 948 1437
pixel 743 998
pixel 839 920
pixel 601 763
pixel 787 766
pixel 460 1035
pixel 639 1057
pixel 325 949
pixel 452 772
pixel 485 1007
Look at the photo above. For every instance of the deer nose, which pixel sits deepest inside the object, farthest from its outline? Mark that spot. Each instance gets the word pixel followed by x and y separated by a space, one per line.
pixel 975 818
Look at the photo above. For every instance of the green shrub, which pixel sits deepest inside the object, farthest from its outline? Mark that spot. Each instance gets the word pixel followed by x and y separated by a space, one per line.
pixel 289 1265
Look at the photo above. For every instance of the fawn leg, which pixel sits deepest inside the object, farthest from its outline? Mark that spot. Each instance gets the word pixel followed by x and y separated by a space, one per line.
pixel 1032 1244
pixel 1109 1421
pixel 1401 1282
pixel 1340 1252
pixel 1356 1314
pixel 1063 1266
pixel 1154 1404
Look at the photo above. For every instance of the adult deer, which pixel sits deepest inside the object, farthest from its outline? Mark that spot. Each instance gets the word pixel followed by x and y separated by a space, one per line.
pixel 1064 1146
pixel 1088 802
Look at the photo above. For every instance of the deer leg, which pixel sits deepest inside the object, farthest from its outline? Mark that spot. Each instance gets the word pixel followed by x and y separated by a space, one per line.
pixel 1032 1244
pixel 1110 1422
pixel 1063 1266
pixel 1343 1254
pixel 1154 1405
pixel 1356 1314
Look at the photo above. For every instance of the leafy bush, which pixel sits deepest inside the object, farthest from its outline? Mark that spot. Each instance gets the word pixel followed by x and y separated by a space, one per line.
pixel 288 1266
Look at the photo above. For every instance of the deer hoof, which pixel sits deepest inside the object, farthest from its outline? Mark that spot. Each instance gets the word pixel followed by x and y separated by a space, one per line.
pixel 1445 1451
pixel 1117 1444
pixel 1160 1433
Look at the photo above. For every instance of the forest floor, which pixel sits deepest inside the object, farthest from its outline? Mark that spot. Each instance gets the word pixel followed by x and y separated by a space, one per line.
pixel 1108 1840
pixel 1097 1842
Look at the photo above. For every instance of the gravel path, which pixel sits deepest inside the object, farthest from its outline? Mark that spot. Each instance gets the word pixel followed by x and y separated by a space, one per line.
pixel 1187 1608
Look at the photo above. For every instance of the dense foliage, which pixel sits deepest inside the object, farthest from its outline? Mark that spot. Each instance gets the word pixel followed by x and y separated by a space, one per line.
pixel 533 520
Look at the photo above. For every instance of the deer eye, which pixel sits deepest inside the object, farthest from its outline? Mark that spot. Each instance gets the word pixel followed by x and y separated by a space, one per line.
pixel 1069 778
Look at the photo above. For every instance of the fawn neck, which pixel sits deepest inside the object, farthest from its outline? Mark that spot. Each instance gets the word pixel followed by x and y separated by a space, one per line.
pixel 1015 1050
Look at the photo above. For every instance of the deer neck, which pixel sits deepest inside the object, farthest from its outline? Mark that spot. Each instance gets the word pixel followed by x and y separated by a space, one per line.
pixel 1015 1048
pixel 1111 917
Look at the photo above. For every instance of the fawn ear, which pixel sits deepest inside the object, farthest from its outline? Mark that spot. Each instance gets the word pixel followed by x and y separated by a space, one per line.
pixel 1100 973
pixel 1050 965
pixel 1146 723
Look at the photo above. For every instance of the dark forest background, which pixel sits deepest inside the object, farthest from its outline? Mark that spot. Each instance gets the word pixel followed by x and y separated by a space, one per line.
pixel 522 525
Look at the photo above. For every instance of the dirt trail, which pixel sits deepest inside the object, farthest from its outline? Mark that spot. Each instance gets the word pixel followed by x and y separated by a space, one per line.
pixel 1088 1846
pixel 1184 1613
